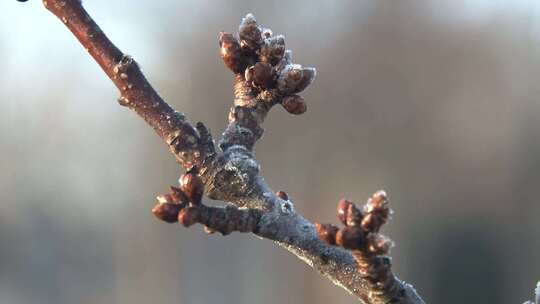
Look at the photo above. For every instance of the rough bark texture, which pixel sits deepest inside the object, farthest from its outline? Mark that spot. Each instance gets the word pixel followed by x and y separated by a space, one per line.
pixel 264 76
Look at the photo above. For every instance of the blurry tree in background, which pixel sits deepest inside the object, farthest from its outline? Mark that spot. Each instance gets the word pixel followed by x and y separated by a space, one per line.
pixel 435 101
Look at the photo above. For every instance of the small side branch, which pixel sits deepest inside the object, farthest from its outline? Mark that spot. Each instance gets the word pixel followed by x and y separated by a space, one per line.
pixel 185 205
pixel 369 248
pixel 264 76
pixel 136 92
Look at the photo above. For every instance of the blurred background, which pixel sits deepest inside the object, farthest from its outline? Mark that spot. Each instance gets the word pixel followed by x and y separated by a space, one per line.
pixel 434 101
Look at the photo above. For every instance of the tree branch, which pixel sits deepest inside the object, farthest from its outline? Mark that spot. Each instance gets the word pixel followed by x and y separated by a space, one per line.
pixel 136 93
pixel 353 257
pixel 264 76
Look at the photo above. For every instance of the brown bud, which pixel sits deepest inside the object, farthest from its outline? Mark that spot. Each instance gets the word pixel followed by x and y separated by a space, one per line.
pixel 285 61
pixel 354 216
pixel 376 212
pixel 191 184
pixel 379 244
pixel 377 202
pixel 372 222
pixel 178 195
pixel 272 49
pixel 350 238
pixel 167 212
pixel 250 33
pixel 282 195
pixel 327 233
pixel 294 104
pixel 263 75
pixel 231 53
pixel 294 78
pixel 342 210
pixel 188 216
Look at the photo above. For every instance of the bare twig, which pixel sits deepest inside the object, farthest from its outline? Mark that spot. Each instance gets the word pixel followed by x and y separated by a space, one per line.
pixel 136 93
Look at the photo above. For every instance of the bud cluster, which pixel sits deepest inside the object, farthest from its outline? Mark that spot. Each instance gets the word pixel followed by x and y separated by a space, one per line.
pixel 360 234
pixel 184 205
pixel 172 205
pixel 262 59
pixel 361 226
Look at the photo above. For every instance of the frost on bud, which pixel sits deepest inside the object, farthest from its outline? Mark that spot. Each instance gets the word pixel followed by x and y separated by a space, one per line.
pixel 376 212
pixel 294 78
pixel 348 213
pixel 378 202
pixel 261 74
pixel 350 238
pixel 294 104
pixel 165 198
pixel 191 184
pixel 273 49
pixel 231 53
pixel 354 216
pixel 250 33
pixel 379 244
pixel 188 216
pixel 285 61
pixel 266 33
pixel 282 195
pixel 166 211
pixel 342 210
pixel 327 233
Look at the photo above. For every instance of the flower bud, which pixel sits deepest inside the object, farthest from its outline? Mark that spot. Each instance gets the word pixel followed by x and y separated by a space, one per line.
pixel 231 53
pixel 178 195
pixel 273 49
pixel 294 104
pixel 294 78
pixel 327 233
pixel 192 186
pixel 376 212
pixel 342 210
pixel 372 222
pixel 377 202
pixel 354 216
pixel 262 75
pixel 167 212
pixel 350 238
pixel 285 61
pixel 250 33
pixel 282 195
pixel 188 216
pixel 379 244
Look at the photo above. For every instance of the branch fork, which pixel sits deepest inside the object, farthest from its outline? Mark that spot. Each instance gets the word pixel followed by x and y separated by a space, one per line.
pixel 264 76
pixel 354 257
